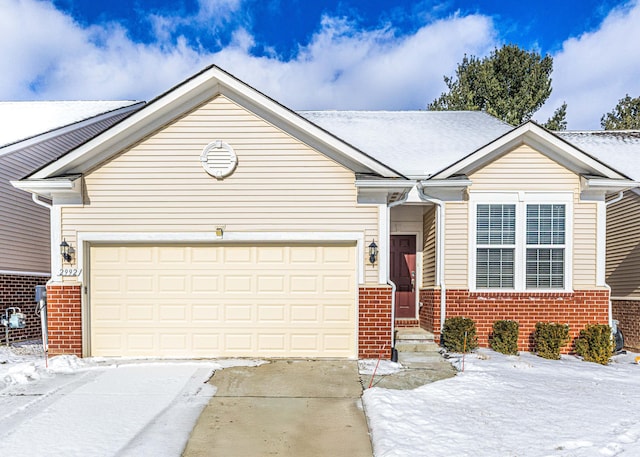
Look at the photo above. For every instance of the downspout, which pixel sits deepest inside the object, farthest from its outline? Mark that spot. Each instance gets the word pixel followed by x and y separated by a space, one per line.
pixel 43 306
pixel 389 281
pixel 607 286
pixel 439 252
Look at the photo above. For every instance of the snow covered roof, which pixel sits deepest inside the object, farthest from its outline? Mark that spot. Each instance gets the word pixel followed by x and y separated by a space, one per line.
pixel 23 120
pixel 416 143
pixel 620 149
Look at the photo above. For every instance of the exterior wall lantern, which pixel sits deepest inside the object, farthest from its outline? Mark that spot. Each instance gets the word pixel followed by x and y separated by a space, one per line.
pixel 66 251
pixel 373 252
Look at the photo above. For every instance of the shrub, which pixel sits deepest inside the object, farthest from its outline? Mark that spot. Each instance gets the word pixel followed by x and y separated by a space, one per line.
pixel 505 337
pixel 595 344
pixel 453 334
pixel 549 338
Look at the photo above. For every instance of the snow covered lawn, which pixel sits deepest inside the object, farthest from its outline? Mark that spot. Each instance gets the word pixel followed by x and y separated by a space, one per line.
pixel 92 407
pixel 500 406
pixel 521 406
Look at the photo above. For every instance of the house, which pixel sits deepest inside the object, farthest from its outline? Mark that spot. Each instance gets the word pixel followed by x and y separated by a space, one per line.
pixel 217 222
pixel 33 134
pixel 623 225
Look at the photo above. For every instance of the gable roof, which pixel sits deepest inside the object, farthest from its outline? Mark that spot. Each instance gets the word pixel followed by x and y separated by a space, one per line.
pixel 190 94
pixel 530 133
pixel 416 143
pixel 619 148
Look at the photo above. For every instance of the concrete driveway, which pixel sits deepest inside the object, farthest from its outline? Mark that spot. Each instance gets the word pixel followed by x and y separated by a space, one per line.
pixel 284 408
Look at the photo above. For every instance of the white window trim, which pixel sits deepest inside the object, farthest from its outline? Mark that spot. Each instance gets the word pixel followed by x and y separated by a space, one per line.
pixel 521 199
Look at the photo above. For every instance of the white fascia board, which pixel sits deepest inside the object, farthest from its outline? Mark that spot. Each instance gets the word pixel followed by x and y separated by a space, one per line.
pixel 67 189
pixel 68 128
pixel 446 189
pixel 606 184
pixel 448 183
pixel 541 140
pixel 186 97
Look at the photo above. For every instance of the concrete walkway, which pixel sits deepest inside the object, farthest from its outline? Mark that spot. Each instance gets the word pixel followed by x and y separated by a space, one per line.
pixel 284 408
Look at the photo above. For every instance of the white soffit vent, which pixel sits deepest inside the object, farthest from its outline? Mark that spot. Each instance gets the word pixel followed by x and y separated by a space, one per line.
pixel 218 159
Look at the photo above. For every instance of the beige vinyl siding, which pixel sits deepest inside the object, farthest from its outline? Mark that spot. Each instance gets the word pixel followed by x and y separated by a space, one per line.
pixel 456 250
pixel 279 185
pixel 429 249
pixel 584 245
pixel 525 169
pixel 623 247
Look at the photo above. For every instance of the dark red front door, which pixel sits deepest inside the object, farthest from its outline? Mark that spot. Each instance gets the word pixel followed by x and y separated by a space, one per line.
pixel 403 274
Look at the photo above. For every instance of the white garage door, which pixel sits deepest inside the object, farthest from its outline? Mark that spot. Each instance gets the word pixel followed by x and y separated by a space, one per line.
pixel 230 301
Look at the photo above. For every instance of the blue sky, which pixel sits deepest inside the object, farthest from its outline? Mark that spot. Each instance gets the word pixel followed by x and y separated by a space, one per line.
pixel 312 54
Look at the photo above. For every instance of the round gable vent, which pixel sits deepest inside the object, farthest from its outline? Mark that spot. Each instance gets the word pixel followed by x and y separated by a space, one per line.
pixel 219 159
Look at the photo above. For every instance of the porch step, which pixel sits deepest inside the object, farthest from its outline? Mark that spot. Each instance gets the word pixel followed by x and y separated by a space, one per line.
pixel 421 360
pixel 417 349
pixel 414 346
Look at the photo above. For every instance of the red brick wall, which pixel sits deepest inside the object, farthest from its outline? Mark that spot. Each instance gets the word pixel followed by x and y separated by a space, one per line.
pixel 430 311
pixel 65 319
pixel 627 312
pixel 576 309
pixel 374 332
pixel 19 290
pixel 406 323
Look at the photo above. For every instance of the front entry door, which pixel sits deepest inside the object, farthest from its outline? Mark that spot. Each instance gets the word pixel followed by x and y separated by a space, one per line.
pixel 403 274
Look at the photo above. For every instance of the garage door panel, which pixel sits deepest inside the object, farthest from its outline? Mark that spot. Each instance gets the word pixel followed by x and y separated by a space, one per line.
pixel 208 301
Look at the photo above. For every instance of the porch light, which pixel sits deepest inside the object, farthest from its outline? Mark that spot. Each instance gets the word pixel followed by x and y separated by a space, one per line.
pixel 65 251
pixel 373 252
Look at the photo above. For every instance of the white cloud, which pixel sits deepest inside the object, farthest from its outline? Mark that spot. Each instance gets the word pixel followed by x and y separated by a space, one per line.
pixel 593 71
pixel 53 57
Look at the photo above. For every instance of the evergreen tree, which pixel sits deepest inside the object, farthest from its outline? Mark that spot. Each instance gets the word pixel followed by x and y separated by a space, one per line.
pixel 558 120
pixel 625 116
pixel 510 84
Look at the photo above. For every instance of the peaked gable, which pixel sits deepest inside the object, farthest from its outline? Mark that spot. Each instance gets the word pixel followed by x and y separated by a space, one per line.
pixel 542 141
pixel 186 97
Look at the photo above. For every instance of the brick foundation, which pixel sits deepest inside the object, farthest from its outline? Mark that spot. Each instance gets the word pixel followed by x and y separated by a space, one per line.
pixel 64 308
pixel 627 313
pixel 374 312
pixel 576 309
pixel 19 290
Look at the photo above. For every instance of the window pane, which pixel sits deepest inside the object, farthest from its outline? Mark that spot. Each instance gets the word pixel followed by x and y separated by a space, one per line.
pixel 494 268
pixel 496 224
pixel 545 224
pixel 545 268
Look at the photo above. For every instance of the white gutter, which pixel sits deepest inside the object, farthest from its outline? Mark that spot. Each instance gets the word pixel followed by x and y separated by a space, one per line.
pixel 389 281
pixel 618 197
pixel 440 213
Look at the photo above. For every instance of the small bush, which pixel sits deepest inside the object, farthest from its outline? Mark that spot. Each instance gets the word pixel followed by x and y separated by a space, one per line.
pixel 505 337
pixel 595 344
pixel 453 334
pixel 549 338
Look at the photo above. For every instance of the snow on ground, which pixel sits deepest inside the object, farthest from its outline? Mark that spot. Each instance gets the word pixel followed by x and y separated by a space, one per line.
pixel 521 406
pixel 97 407
pixel 499 406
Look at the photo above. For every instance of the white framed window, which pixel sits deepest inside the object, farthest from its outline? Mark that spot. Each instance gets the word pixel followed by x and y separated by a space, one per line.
pixel 519 241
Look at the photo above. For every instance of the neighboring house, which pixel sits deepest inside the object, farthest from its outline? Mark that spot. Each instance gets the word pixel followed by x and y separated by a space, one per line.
pixel 217 222
pixel 623 225
pixel 32 135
